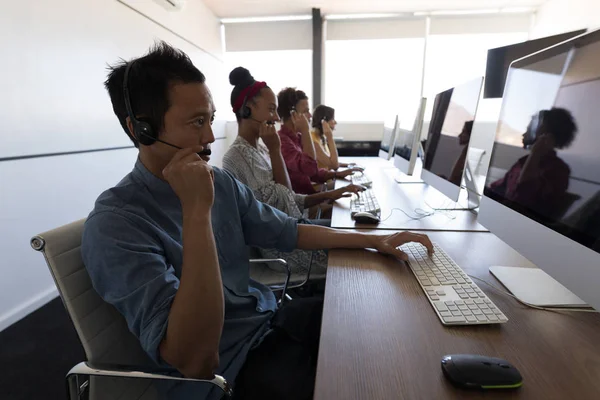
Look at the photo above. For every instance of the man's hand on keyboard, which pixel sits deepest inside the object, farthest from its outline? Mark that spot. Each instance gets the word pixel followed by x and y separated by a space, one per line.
pixel 345 191
pixel 389 244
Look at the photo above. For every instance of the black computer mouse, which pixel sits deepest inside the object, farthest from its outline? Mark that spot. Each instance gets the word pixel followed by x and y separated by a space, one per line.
pixel 472 371
pixel 365 218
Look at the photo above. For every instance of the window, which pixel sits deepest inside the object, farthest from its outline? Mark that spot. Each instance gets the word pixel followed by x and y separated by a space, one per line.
pixel 371 80
pixel 279 68
pixel 456 58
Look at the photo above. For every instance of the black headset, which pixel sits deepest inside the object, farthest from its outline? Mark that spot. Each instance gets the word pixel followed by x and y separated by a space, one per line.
pixel 142 128
pixel 143 131
pixel 246 112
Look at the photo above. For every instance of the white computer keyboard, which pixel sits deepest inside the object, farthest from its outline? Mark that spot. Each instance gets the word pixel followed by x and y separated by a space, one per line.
pixel 361 179
pixel 453 295
pixel 364 201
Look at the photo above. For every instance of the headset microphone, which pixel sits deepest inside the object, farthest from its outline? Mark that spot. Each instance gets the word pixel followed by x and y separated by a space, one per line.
pixel 205 152
pixel 269 122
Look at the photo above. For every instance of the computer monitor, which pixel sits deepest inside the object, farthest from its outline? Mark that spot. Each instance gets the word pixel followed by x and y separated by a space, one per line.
pixel 407 143
pixel 542 193
pixel 390 127
pixel 449 135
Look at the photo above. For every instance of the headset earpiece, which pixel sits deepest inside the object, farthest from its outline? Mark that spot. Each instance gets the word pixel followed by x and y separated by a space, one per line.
pixel 144 133
pixel 245 111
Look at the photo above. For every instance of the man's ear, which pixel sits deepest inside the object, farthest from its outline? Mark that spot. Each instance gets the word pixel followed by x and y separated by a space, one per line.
pixel 130 128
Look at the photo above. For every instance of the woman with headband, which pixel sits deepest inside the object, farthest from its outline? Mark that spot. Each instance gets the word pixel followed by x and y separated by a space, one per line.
pixel 260 166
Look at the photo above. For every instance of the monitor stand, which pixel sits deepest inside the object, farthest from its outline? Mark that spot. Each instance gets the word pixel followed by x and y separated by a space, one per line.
pixel 403 178
pixel 534 286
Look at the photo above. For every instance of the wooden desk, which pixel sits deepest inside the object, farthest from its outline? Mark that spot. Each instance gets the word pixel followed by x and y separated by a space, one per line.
pixel 407 197
pixel 380 338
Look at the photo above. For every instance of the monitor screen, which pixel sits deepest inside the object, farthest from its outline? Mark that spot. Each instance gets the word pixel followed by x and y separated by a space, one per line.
pixel 546 158
pixel 450 131
pixel 389 126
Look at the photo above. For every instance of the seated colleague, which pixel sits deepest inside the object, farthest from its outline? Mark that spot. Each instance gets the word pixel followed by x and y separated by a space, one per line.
pixel 296 144
pixel 323 124
pixel 261 167
pixel 540 180
pixel 167 245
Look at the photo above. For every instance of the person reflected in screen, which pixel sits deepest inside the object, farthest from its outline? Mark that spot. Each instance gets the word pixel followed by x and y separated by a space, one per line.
pixel 459 165
pixel 540 180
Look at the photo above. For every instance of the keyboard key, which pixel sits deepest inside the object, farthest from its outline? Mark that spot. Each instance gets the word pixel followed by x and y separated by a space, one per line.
pixel 440 292
pixel 445 313
pixel 425 282
pixel 463 307
pixel 452 307
pixel 477 312
pixel 487 301
pixel 434 297
pixel 456 313
pixel 471 318
pixel 481 318
pixel 460 280
pixel 451 320
pixel 440 306
pixel 430 291
pixel 467 312
pixel 473 306
pixel 502 318
pixel 492 317
pixel 479 301
pixel 473 295
pixel 497 311
pixel 434 281
pixel 459 302
pixel 488 312
pixel 467 302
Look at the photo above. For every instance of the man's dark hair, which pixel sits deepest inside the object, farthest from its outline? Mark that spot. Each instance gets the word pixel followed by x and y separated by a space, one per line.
pixel 149 81
pixel 287 99
pixel 560 124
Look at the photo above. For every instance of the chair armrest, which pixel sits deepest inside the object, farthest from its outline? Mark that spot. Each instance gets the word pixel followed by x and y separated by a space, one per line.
pixel 288 272
pixel 86 368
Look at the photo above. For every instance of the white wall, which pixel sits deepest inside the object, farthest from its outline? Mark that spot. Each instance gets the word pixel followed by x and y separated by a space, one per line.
pixel 53 101
pixel 558 16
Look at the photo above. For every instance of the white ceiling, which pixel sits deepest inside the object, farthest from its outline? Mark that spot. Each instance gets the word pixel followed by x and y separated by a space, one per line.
pixel 254 8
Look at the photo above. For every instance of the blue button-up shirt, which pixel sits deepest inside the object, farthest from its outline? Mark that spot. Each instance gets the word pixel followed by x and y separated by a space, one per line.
pixel 132 249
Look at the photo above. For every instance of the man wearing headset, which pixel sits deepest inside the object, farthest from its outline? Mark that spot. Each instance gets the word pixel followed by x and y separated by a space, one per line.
pixel 167 245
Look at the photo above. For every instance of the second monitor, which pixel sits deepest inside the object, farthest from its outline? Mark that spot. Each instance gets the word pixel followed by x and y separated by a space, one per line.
pixel 390 127
pixel 449 135
pixel 407 146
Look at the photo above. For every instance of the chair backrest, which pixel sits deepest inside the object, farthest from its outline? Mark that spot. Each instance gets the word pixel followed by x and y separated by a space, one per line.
pixel 101 328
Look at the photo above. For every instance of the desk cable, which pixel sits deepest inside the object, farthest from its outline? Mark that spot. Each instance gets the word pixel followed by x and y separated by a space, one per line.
pixel 420 212
pixel 553 309
pixel 444 211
